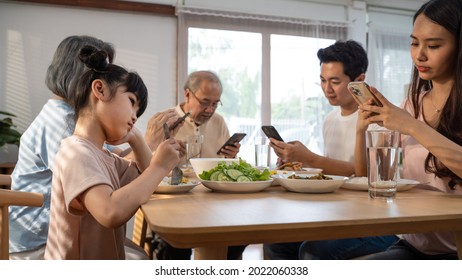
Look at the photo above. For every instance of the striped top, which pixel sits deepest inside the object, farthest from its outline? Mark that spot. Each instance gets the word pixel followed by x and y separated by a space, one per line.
pixel 33 173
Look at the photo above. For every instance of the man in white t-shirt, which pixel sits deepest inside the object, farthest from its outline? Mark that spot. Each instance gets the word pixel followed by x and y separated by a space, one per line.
pixel 341 63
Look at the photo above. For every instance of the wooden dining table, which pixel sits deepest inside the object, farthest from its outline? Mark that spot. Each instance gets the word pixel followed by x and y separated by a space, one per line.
pixel 211 221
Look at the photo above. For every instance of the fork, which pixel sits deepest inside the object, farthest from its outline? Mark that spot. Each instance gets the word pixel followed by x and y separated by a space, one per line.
pixel 177 174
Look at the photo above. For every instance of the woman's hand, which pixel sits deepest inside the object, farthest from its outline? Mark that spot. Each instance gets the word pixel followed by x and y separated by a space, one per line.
pixel 389 116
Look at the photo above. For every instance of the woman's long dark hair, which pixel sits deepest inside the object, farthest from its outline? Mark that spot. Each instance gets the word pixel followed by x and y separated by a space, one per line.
pixel 114 75
pixel 448 14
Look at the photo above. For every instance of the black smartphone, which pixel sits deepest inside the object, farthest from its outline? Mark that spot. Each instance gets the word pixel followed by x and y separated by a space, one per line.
pixel 361 92
pixel 236 137
pixel 271 132
pixel 179 120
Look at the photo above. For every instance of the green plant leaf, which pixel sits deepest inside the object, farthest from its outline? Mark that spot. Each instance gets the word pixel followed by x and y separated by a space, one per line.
pixel 8 135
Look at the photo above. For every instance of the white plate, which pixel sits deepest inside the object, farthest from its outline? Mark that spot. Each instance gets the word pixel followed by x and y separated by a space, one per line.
pixel 237 187
pixel 165 188
pixel 311 186
pixel 289 172
pixel 360 184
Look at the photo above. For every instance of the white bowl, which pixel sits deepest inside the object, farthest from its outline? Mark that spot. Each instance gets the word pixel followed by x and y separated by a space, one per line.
pixel 311 185
pixel 361 184
pixel 237 187
pixel 205 164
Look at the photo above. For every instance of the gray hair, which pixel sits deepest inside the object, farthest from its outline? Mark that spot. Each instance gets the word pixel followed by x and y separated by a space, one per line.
pixel 195 80
pixel 66 69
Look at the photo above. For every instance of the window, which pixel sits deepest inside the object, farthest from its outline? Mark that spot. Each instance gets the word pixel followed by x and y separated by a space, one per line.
pixel 387 73
pixel 269 70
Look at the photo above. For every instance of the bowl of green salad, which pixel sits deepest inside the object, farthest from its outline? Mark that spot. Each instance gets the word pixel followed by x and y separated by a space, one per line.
pixel 236 177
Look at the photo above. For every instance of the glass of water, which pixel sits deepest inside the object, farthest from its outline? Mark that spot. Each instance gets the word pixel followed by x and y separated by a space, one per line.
pixel 262 152
pixel 193 147
pixel 382 163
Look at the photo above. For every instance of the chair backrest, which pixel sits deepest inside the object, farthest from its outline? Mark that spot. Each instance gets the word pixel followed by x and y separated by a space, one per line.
pixel 142 235
pixel 5 180
pixel 16 198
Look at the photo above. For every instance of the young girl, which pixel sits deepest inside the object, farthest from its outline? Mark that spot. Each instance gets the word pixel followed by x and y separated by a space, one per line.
pixel 430 123
pixel 40 144
pixel 94 192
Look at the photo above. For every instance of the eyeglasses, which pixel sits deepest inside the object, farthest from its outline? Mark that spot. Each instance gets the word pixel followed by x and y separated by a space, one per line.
pixel 206 104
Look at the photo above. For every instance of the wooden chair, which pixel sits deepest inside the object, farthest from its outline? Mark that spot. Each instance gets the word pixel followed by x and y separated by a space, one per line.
pixel 16 198
pixel 5 181
pixel 142 235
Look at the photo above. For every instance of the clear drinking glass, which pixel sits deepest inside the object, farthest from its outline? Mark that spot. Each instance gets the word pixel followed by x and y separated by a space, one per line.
pixel 262 152
pixel 193 147
pixel 382 163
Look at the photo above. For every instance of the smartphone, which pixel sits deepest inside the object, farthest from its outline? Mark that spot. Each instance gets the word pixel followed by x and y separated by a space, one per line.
pixel 271 132
pixel 179 120
pixel 362 93
pixel 236 137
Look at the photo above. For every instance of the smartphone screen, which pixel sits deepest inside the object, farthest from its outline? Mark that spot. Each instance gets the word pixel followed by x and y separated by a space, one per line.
pixel 271 132
pixel 236 137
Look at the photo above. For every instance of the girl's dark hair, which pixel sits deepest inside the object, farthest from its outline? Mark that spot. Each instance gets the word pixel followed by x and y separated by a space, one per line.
pixel 448 14
pixel 113 75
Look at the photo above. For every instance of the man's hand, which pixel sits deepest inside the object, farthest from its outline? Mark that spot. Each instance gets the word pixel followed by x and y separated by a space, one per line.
pixel 154 133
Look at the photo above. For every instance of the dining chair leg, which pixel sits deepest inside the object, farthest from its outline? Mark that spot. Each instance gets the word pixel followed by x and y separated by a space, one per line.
pixel 211 253
pixel 458 236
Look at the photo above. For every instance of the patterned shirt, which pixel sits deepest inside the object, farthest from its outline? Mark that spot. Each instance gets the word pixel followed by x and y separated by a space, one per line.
pixel 33 173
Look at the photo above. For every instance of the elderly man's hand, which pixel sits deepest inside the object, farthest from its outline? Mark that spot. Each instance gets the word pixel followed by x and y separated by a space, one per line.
pixel 154 133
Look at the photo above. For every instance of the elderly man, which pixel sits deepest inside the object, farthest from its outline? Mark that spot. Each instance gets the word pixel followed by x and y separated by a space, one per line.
pixel 202 92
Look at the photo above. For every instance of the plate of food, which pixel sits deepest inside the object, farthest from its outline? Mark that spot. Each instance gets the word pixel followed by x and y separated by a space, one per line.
pixel 308 183
pixel 236 177
pixel 291 166
pixel 302 171
pixel 361 184
pixel 185 186
pixel 237 187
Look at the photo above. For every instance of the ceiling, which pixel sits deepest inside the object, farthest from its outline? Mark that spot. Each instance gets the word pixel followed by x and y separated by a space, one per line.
pixel 412 5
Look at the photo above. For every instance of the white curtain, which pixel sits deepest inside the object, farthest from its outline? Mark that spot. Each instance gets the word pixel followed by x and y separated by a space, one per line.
pixel 288 94
pixel 390 64
pixel 238 21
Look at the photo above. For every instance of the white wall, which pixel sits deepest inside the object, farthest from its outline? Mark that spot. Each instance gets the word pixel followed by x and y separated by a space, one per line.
pixel 29 35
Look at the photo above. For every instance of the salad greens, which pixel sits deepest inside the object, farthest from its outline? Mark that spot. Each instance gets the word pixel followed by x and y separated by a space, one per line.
pixel 235 172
